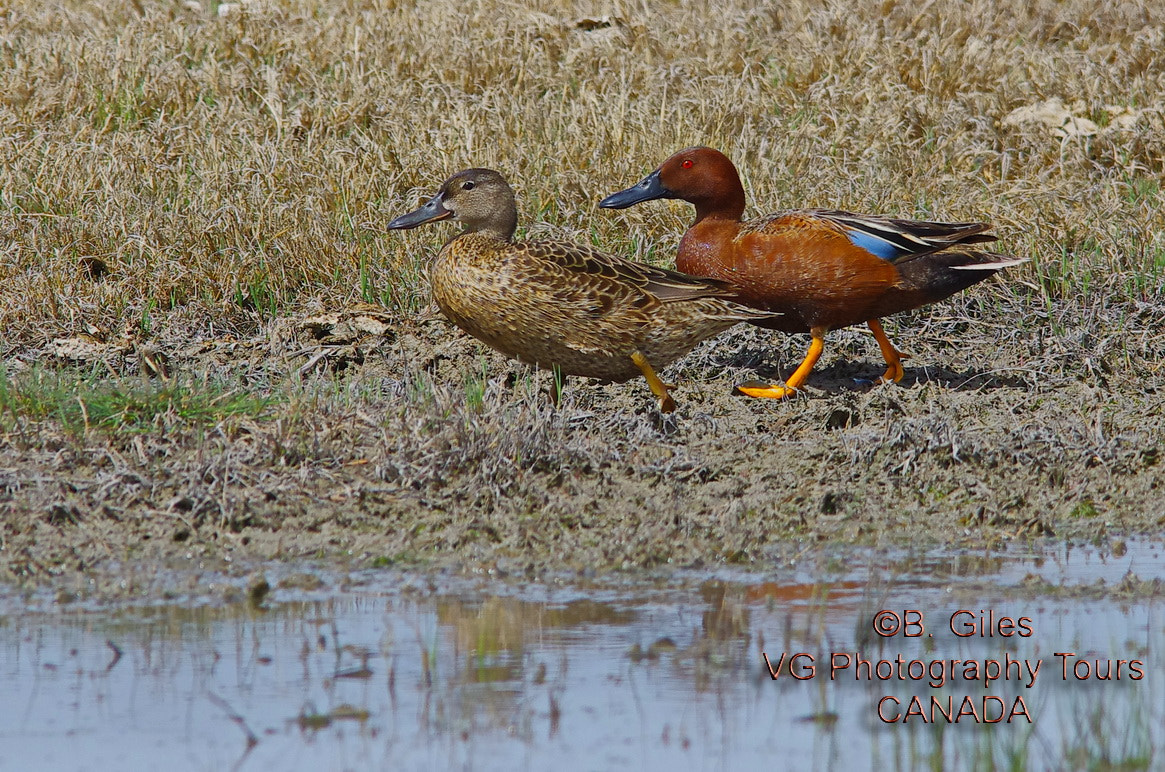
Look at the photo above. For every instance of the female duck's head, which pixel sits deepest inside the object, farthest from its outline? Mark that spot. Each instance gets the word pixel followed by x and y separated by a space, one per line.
pixel 480 199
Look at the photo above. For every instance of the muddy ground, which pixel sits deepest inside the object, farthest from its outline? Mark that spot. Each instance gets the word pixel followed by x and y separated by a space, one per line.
pixel 400 441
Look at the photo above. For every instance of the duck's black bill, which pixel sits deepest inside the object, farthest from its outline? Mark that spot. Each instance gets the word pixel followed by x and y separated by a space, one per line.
pixel 431 211
pixel 649 188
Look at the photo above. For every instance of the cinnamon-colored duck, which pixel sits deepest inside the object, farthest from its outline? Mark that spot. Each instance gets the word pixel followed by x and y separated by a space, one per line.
pixel 822 269
pixel 564 306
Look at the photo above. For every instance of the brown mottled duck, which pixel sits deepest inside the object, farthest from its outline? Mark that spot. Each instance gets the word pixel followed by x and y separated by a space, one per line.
pixel 564 306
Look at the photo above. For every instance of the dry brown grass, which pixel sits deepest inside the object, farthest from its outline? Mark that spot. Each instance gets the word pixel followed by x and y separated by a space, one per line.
pixel 236 165
pixel 231 167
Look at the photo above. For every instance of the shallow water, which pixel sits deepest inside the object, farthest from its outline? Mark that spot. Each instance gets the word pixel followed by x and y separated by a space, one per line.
pixel 384 669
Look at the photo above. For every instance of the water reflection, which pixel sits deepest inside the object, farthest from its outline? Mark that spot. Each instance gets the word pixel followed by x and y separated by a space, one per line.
pixel 661 673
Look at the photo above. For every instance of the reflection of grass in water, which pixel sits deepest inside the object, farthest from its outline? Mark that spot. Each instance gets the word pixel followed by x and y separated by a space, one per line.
pixel 461 705
pixel 938 747
pixel 1105 733
pixel 1110 738
pixel 997 748
pixel 915 745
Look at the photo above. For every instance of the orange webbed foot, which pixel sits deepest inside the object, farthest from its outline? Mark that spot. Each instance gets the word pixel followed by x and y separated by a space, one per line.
pixel 770 391
pixel 762 390
pixel 895 371
pixel 893 356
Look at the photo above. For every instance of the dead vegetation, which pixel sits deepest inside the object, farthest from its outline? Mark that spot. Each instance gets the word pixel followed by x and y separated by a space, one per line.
pixel 211 349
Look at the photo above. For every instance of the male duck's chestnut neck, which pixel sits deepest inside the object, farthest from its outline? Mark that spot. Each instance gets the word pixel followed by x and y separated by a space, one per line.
pixel 726 204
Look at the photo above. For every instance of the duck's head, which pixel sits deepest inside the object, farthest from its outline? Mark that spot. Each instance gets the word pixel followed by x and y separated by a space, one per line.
pixel 480 199
pixel 699 175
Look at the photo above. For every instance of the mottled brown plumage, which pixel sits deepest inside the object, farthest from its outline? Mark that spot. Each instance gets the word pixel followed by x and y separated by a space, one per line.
pixel 564 306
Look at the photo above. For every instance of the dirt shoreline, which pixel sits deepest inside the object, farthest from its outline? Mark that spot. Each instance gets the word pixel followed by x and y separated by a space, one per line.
pixel 416 446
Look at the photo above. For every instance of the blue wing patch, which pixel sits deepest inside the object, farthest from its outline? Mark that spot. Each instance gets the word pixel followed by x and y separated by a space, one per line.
pixel 874 245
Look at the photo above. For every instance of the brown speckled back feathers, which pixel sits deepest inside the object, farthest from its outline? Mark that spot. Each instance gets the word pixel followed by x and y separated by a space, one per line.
pixel 562 305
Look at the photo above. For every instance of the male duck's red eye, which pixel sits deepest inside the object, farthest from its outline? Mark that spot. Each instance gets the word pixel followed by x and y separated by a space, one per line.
pixel 687 163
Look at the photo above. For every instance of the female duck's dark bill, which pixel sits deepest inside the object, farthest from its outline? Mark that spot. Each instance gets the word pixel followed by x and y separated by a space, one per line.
pixel 431 211
pixel 649 188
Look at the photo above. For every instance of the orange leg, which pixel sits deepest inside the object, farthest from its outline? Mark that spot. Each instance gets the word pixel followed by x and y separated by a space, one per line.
pixel 892 355
pixel 658 387
pixel 794 381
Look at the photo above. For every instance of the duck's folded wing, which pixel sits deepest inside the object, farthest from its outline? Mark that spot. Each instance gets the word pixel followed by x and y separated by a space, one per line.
pixel 588 271
pixel 888 238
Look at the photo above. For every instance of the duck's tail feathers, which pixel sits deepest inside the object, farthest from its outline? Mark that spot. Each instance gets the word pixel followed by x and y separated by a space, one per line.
pixel 986 261
pixel 746 314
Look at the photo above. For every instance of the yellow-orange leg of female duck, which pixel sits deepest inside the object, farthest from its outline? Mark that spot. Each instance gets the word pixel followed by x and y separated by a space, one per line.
pixel 658 387
pixel 893 356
